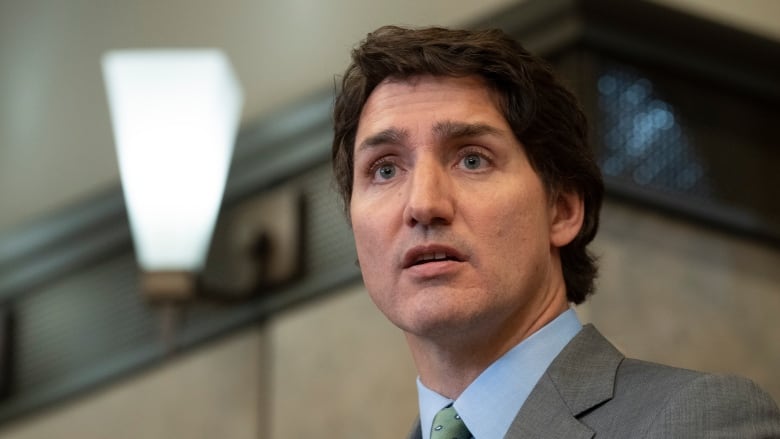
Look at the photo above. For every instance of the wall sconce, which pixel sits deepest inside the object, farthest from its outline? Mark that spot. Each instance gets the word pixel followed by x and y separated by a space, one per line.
pixel 175 115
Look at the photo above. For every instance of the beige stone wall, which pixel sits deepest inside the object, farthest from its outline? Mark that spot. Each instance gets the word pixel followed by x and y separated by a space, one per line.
pixel 678 293
pixel 216 392
pixel 345 364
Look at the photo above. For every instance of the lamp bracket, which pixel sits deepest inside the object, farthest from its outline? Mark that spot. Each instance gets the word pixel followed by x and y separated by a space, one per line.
pixel 256 245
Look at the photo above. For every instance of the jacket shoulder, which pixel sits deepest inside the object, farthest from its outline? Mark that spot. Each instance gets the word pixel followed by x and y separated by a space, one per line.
pixel 717 406
pixel 661 401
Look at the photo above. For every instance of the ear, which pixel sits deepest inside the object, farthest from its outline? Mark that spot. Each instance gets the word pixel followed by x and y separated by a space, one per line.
pixel 567 215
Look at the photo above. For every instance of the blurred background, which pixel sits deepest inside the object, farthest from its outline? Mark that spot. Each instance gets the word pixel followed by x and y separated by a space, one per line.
pixel 688 245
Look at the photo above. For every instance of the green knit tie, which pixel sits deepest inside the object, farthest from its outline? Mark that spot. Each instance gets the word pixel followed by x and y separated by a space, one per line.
pixel 448 425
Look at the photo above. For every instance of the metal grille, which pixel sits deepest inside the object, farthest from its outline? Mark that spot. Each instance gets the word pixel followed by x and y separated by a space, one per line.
pixel 688 145
pixel 645 138
pixel 87 318
pixel 330 241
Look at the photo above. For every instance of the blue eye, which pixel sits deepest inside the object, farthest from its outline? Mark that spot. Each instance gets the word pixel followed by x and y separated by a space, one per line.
pixel 472 161
pixel 386 171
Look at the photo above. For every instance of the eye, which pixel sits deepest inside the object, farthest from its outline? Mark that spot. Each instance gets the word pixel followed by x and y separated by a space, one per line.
pixel 472 161
pixel 385 171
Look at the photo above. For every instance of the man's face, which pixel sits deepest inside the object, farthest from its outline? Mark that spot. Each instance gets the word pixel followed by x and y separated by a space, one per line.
pixel 453 228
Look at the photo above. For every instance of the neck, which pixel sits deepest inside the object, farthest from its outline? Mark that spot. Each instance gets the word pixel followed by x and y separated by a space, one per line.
pixel 448 365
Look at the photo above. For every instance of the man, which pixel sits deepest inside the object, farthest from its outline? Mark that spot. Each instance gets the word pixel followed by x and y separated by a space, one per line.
pixel 472 194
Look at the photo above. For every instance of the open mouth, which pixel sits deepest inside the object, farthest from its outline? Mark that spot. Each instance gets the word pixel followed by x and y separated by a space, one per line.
pixel 425 254
pixel 433 257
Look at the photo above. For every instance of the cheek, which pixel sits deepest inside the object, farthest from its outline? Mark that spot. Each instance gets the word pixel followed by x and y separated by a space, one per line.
pixel 374 224
pixel 369 244
pixel 362 236
pixel 516 232
pixel 372 260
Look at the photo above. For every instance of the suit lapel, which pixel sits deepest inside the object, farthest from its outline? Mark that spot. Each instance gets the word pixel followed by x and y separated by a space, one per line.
pixel 545 415
pixel 580 378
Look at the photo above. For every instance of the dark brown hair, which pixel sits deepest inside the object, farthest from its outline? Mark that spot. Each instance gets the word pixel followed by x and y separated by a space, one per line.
pixel 545 117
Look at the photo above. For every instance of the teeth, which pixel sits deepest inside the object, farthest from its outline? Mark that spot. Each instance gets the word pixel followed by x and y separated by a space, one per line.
pixel 432 256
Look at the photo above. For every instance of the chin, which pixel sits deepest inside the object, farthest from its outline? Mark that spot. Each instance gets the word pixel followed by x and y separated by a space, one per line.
pixel 436 323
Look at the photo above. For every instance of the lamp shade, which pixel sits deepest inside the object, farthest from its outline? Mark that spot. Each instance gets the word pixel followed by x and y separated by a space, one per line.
pixel 175 115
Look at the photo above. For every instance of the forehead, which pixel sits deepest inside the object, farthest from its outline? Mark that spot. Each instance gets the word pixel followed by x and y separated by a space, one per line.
pixel 404 101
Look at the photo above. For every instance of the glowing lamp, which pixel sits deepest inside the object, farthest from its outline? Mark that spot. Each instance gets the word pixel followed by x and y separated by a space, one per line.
pixel 175 115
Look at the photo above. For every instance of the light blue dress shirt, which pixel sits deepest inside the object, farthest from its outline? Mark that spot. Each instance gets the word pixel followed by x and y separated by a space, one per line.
pixel 490 403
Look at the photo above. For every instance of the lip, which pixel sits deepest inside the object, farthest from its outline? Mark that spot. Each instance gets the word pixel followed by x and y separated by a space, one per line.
pixel 412 256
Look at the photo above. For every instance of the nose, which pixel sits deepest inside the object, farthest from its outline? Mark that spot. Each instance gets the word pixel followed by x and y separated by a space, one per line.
pixel 430 199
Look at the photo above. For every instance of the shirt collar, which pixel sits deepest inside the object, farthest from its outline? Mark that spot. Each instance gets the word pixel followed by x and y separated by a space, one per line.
pixel 490 403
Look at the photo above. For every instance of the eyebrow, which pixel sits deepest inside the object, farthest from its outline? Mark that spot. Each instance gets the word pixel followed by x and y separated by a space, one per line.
pixel 390 136
pixel 456 130
pixel 442 130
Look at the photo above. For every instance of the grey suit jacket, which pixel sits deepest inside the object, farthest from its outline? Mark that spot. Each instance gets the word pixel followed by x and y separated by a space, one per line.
pixel 592 391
